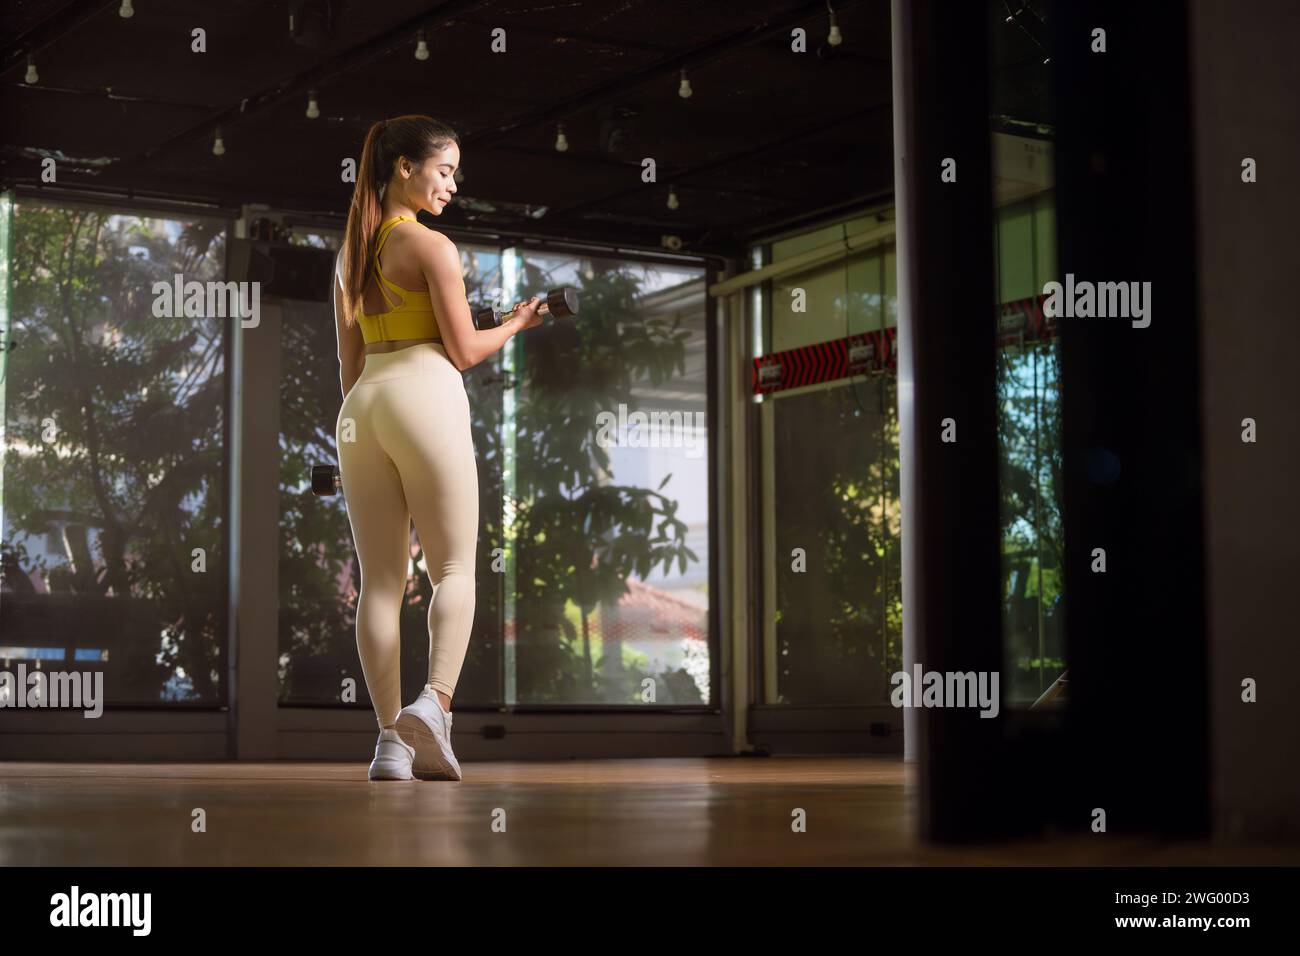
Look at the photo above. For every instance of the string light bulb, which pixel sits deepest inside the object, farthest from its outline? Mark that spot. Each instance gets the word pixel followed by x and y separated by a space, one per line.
pixel 421 46
pixel 313 109
pixel 672 198
pixel 218 147
pixel 834 38
pixel 561 143
pixel 126 11
pixel 684 89
pixel 31 75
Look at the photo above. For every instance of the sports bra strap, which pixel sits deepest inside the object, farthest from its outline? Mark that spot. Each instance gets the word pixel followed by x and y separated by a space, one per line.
pixel 385 230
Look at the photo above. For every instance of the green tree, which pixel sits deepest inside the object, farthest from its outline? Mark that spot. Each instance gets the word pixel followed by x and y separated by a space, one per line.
pixel 579 535
pixel 1030 486
pixel 839 622
pixel 114 445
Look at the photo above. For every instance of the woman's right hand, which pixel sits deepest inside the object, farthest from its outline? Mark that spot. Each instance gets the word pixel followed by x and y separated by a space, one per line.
pixel 526 313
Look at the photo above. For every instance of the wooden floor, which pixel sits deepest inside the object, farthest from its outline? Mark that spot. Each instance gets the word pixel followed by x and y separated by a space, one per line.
pixel 573 813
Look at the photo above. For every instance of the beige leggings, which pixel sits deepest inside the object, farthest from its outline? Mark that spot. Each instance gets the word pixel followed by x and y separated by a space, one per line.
pixel 405 451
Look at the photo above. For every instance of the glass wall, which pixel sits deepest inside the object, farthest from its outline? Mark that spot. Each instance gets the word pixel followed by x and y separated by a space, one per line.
pixel 1029 432
pixel 300 236
pixel 112 480
pixel 593 549
pixel 853 299
pixel 1029 424
pixel 592 442
pixel 831 513
pixel 606 481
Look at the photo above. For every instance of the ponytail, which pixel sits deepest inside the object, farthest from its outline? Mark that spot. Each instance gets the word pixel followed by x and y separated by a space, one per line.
pixel 415 137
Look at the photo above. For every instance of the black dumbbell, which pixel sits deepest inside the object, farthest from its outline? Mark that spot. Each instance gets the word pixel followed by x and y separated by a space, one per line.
pixel 326 480
pixel 560 303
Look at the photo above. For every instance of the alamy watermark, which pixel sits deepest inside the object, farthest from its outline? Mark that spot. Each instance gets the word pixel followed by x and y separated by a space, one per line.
pixel 655 429
pixel 1085 300
pixel 78 909
pixel 199 300
pixel 73 690
pixel 946 689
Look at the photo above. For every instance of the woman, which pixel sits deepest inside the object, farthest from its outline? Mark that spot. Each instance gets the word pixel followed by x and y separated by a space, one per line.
pixel 405 334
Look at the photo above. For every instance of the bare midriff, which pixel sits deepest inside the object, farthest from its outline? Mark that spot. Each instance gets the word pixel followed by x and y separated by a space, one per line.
pixel 392 345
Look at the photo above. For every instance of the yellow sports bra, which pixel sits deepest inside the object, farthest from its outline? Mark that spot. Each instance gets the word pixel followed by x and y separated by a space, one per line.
pixel 411 318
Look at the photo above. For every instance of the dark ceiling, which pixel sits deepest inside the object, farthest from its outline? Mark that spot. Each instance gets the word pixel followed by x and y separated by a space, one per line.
pixel 769 138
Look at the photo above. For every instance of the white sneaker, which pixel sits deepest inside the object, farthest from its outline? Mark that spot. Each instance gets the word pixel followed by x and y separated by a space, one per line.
pixel 426 727
pixel 392 757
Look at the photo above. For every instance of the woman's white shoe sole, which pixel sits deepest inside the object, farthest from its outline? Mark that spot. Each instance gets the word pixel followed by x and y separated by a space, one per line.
pixel 430 762
pixel 388 774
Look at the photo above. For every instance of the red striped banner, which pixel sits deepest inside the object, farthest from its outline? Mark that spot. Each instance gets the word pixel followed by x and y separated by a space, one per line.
pixel 826 361
pixel 1024 321
pixel 1018 322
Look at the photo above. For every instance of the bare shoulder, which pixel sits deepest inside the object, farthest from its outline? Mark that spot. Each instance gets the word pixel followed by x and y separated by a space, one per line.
pixel 439 240
pixel 437 251
pixel 416 231
pixel 424 240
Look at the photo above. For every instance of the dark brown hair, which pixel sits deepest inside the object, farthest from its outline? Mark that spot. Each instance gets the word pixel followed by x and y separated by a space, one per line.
pixel 415 137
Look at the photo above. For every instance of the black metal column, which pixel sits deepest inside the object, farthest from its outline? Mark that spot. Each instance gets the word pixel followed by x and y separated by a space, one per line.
pixel 947 371
pixel 1136 637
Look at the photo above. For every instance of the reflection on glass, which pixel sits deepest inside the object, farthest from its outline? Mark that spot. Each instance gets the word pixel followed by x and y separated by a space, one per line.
pixel 839 611
pixel 112 500
pixel 844 297
pixel 314 240
pixel 1028 379
pixel 831 519
pixel 1029 428
pixel 609 488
